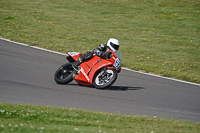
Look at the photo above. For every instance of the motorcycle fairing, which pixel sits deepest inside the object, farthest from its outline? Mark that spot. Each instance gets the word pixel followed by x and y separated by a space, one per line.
pixel 89 68
pixel 74 55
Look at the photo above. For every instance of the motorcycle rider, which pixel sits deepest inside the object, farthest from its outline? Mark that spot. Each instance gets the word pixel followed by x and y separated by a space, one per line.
pixel 102 50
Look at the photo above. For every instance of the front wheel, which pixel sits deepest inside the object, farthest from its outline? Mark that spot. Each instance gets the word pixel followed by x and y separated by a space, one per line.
pixel 105 79
pixel 64 74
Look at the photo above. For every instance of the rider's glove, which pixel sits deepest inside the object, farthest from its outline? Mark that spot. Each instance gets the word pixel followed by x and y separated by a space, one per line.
pixel 107 55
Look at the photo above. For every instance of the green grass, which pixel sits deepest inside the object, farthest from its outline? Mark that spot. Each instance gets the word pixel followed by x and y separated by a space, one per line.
pixel 29 118
pixel 158 36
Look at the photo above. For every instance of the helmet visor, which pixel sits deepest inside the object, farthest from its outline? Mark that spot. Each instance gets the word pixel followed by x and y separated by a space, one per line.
pixel 116 47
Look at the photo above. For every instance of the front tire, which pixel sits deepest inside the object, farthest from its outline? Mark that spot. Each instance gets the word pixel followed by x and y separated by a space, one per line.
pixel 105 80
pixel 64 74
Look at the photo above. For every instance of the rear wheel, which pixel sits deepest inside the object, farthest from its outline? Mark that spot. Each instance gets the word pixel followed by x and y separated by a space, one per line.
pixel 105 80
pixel 64 74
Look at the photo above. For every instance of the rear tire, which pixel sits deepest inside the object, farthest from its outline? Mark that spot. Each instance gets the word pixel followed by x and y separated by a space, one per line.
pixel 64 74
pixel 105 81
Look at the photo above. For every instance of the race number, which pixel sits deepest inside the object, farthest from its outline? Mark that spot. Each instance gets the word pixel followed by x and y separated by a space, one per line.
pixel 117 64
pixel 73 53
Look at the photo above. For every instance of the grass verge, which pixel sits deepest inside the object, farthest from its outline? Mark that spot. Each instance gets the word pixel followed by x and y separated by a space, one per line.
pixel 30 118
pixel 158 36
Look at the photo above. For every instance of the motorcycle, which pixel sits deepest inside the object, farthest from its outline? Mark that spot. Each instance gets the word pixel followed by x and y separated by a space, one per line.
pixel 98 71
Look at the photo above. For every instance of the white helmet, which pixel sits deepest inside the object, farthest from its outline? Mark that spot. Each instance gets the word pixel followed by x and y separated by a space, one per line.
pixel 113 44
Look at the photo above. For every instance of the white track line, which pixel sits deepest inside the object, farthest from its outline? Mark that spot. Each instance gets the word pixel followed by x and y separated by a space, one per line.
pixel 122 68
pixel 178 80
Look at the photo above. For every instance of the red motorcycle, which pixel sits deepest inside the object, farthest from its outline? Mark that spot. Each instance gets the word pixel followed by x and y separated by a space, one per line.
pixel 98 71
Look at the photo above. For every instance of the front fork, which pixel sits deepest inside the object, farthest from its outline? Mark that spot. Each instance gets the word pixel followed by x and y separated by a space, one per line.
pixel 103 71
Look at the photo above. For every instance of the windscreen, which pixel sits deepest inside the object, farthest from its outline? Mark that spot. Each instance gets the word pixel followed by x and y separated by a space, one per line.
pixel 119 55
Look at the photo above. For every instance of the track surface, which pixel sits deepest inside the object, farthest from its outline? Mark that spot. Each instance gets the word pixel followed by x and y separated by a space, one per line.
pixel 26 76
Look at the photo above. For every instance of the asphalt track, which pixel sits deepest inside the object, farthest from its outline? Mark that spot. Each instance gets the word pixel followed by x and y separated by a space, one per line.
pixel 26 76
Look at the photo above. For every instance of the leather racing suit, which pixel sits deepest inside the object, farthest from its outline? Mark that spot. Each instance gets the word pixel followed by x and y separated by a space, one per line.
pixel 101 50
